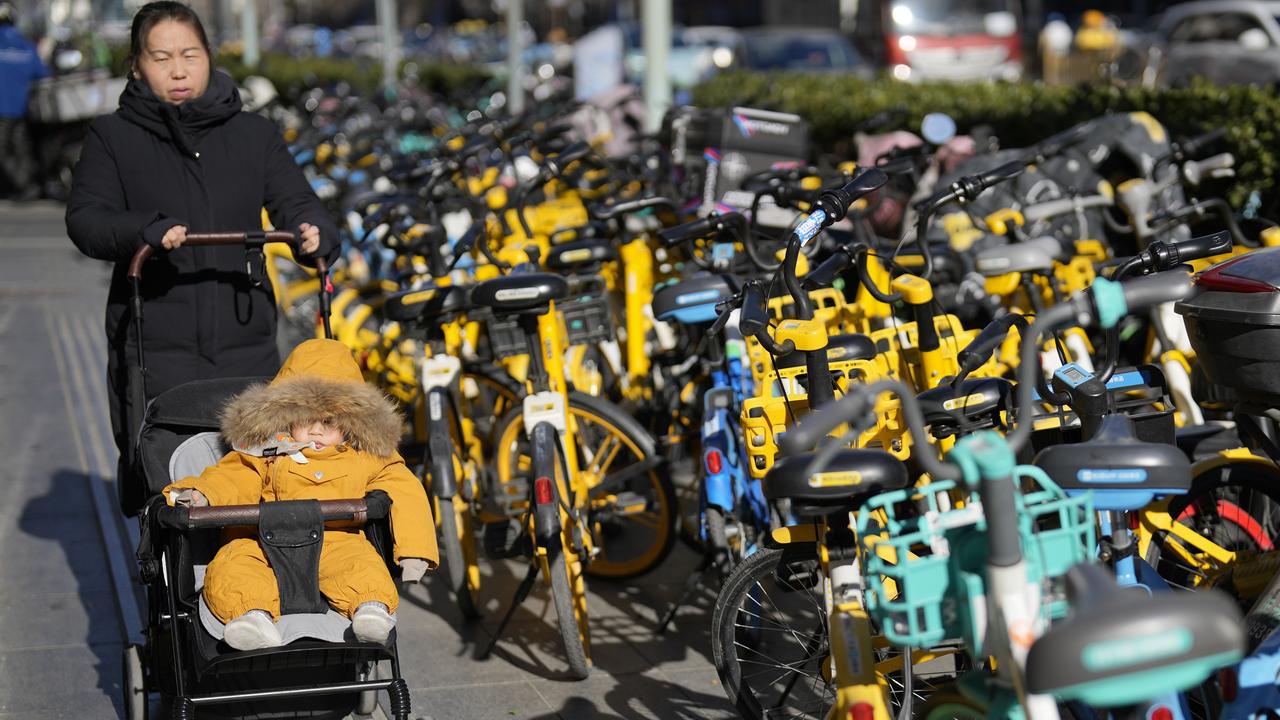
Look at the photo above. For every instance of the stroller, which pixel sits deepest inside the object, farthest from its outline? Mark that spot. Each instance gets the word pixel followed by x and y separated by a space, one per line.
pixel 321 671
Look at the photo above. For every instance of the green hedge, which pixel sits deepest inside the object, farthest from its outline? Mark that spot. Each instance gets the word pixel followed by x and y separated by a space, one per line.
pixel 1019 113
pixel 293 76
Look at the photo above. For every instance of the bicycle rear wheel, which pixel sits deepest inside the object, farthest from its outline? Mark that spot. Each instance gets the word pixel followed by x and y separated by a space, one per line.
pixel 1236 506
pixel 769 636
pixel 632 510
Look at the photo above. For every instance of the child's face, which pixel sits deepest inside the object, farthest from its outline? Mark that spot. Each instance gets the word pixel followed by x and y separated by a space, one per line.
pixel 323 433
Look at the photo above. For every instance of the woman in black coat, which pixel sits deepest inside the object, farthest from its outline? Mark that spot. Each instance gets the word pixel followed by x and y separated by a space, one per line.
pixel 180 156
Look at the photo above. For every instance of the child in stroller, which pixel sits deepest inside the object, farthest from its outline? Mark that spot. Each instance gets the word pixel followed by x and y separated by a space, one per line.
pixel 316 432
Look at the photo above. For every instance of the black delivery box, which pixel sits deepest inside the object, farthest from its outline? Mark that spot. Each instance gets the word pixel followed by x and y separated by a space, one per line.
pixel 1233 320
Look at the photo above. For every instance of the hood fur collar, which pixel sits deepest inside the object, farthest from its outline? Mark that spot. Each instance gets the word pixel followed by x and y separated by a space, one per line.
pixel 368 419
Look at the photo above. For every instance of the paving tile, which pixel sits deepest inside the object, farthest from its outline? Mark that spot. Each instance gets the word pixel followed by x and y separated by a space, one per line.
pixel 32 621
pixel 494 701
pixel 76 681
pixel 634 695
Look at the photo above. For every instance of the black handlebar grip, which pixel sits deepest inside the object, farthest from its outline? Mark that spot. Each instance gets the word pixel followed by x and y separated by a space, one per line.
pixel 576 151
pixel 995 176
pixel 701 227
pixel 1148 291
pixel 1200 142
pixel 826 272
pixel 1201 247
pixel 755 313
pixel 979 350
pixel 836 202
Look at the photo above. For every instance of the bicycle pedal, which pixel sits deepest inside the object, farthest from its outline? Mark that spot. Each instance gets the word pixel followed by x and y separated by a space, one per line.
pixel 629 503
pixel 506 539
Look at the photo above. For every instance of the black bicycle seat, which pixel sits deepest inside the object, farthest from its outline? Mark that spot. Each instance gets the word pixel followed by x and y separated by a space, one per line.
pixel 412 306
pixel 973 400
pixel 1114 460
pixel 1123 646
pixel 520 292
pixel 852 475
pixel 580 254
pixel 692 300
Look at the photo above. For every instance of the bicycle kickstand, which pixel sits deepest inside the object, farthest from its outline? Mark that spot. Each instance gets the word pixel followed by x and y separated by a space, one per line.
pixel 709 560
pixel 522 593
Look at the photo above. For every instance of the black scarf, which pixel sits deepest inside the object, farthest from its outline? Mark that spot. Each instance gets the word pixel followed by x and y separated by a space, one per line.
pixel 183 124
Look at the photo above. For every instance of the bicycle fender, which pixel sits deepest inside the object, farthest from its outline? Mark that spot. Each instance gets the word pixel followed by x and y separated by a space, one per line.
pixel 544 493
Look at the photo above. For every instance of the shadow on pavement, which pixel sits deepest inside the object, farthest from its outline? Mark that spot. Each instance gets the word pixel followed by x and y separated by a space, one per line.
pixel 45 517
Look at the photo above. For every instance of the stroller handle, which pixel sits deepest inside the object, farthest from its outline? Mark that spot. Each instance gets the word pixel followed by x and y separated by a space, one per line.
pixel 257 238
pixel 375 506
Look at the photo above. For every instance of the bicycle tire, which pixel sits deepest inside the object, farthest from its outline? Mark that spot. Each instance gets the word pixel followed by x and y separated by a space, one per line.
pixel 1250 487
pixel 571 623
pixel 463 571
pixel 718 538
pixel 651 547
pixel 729 652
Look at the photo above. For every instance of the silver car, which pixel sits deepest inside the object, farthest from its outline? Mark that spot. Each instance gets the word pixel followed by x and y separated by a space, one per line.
pixel 1224 41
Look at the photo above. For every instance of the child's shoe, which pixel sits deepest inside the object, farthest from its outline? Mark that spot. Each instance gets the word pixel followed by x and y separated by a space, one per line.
pixel 372 623
pixel 253 630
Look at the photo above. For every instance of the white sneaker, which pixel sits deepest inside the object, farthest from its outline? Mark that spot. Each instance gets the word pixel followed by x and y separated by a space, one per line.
pixel 253 630
pixel 372 623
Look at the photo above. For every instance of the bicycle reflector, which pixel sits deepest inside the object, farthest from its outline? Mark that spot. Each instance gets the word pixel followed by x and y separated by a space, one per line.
pixel 715 463
pixel 1228 684
pixel 1161 713
pixel 862 711
pixel 542 491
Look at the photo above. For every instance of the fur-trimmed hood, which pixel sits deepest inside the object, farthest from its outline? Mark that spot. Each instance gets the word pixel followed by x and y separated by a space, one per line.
pixel 320 379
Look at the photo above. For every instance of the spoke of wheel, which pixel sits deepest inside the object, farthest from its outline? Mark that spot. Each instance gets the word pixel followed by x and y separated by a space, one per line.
pixel 808 650
pixel 602 457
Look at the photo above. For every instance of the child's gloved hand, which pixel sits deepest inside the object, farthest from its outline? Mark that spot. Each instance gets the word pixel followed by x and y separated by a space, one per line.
pixel 412 569
pixel 190 497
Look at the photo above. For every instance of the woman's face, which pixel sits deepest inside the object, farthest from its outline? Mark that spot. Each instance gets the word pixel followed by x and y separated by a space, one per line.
pixel 174 63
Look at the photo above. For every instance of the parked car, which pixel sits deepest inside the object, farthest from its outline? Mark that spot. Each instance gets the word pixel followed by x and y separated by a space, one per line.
pixel 782 48
pixel 1224 41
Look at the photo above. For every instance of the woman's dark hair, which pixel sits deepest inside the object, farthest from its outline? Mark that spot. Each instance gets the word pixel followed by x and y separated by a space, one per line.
pixel 154 13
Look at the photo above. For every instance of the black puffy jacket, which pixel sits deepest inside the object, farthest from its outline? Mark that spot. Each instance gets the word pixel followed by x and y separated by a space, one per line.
pixel 207 165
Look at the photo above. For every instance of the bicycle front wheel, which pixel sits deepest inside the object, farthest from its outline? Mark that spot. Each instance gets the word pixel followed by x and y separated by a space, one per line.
pixel 570 599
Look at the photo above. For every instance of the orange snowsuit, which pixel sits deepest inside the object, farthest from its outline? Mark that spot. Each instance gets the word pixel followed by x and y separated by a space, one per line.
pixel 319 380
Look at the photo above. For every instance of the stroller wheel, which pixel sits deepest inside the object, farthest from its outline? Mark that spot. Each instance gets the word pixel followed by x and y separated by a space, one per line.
pixel 135 686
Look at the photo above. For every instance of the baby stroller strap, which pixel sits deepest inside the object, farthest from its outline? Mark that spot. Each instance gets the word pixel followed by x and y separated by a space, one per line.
pixel 291 533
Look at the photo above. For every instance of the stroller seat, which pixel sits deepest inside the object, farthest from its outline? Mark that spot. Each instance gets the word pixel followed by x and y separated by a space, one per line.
pixel 190 458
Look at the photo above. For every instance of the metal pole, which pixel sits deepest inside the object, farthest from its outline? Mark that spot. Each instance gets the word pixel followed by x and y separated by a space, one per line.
pixel 656 28
pixel 515 68
pixel 249 32
pixel 387 22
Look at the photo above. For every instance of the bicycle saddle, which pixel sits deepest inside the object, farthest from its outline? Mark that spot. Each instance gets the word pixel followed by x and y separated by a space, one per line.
pixel 974 400
pixel 848 346
pixel 580 255
pixel 1031 256
pixel 520 292
pixel 692 300
pixel 1125 472
pixel 424 305
pixel 850 477
pixel 1122 647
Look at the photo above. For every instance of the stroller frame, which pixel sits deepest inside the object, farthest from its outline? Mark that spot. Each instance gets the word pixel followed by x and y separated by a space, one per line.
pixel 189 657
